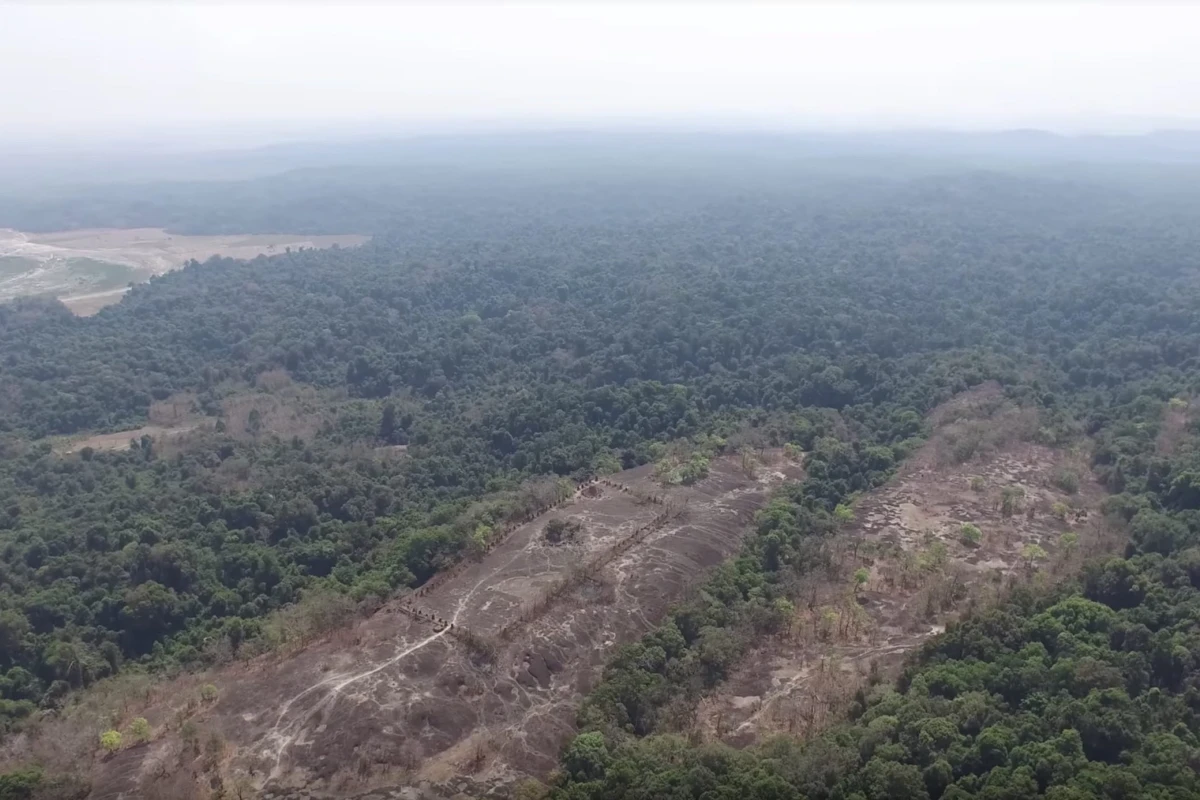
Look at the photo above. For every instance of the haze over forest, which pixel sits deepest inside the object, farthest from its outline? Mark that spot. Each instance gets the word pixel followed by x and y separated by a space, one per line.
pixel 599 402
pixel 245 72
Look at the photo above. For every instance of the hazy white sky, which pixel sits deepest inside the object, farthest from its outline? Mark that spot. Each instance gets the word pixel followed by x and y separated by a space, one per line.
pixel 146 66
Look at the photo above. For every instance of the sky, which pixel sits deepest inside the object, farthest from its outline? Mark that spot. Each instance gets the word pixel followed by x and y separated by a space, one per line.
pixel 141 69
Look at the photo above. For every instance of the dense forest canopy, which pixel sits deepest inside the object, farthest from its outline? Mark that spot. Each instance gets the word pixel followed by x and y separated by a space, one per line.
pixel 512 322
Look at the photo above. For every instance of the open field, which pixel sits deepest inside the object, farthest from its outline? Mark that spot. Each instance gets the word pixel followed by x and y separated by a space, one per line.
pixel 89 269
pixel 480 672
pixel 922 571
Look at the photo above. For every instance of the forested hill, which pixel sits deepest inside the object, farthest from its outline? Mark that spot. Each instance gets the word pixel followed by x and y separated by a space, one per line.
pixel 507 328
pixel 443 188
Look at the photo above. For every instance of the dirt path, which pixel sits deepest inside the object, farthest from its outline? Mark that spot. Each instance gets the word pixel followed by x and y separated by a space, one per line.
pixel 285 733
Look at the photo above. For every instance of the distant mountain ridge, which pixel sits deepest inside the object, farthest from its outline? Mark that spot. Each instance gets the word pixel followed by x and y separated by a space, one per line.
pixel 21 168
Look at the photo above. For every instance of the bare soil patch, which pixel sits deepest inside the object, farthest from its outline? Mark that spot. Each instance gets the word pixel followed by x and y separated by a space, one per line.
pixel 170 420
pixel 274 406
pixel 1176 416
pixel 84 305
pixel 89 269
pixel 481 673
pixel 121 440
pixel 922 571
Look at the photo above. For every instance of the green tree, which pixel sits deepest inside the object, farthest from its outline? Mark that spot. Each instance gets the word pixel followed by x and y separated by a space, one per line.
pixel 1032 553
pixel 14 627
pixel 387 423
pixel 151 610
pixel 587 757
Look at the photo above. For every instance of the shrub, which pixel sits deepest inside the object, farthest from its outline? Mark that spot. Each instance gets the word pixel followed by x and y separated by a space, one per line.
pixel 861 576
pixel 111 741
pixel 695 469
pixel 1011 500
pixel 561 530
pixel 1067 480
pixel 970 534
pixel 189 734
pixel 139 729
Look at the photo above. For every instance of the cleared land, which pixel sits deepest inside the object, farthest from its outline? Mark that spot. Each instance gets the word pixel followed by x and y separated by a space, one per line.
pixel 403 697
pixel 922 568
pixel 89 269
pixel 273 406
pixel 474 680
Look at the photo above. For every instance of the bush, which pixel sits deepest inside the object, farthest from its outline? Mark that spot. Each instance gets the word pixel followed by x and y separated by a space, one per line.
pixel 139 729
pixel 558 531
pixel 111 741
pixel 694 469
pixel 861 576
pixel 1067 480
pixel 1011 500
pixel 970 534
